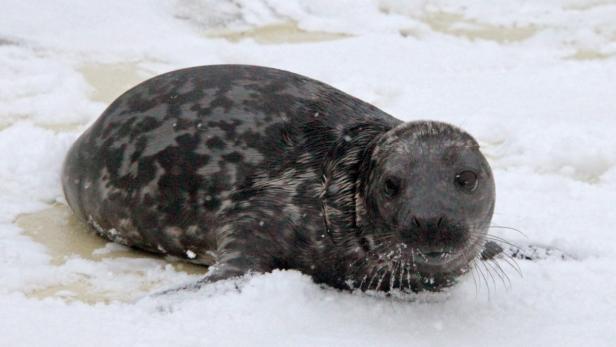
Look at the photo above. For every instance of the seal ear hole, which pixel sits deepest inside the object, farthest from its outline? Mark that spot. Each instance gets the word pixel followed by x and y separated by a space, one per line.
pixel 466 180
pixel 391 187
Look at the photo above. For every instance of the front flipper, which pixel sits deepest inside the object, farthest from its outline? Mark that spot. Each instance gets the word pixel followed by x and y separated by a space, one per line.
pixel 245 244
pixel 531 252
pixel 216 272
pixel 490 250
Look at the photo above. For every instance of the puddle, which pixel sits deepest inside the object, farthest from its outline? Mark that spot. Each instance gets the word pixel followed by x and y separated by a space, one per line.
pixel 584 54
pixel 58 128
pixel 108 81
pixel 111 80
pixel 66 238
pixel 460 26
pixel 287 32
pixel 587 5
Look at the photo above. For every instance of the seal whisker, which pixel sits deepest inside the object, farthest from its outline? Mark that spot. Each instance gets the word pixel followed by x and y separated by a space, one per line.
pixel 378 277
pixel 374 273
pixel 485 280
pixel 489 273
pixel 363 281
pixel 395 270
pixel 500 273
pixel 408 276
pixel 508 228
pixel 400 274
pixel 512 263
pixel 368 256
pixel 474 280
pixel 500 239
pixel 380 281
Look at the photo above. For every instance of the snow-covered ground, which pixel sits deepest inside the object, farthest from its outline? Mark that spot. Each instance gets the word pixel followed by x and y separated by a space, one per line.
pixel 534 81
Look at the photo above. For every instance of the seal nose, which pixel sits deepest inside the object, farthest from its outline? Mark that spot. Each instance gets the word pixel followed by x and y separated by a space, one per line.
pixel 433 234
pixel 417 222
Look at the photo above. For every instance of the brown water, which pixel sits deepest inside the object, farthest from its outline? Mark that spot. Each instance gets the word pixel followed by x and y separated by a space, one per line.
pixel 459 26
pixel 287 32
pixel 449 23
pixel 110 80
pixel 587 54
pixel 65 237
pixel 442 22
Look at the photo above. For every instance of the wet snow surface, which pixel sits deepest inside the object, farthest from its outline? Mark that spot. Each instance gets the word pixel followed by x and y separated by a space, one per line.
pixel 535 82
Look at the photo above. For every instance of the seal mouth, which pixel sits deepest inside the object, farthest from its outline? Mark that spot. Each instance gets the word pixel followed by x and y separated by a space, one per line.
pixel 436 261
pixel 445 259
pixel 436 256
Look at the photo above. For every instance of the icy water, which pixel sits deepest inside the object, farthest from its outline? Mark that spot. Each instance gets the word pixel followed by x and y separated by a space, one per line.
pixel 65 238
pixel 287 32
pixel 110 80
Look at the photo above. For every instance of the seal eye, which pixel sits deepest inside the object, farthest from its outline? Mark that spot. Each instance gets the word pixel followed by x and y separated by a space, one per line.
pixel 391 187
pixel 466 180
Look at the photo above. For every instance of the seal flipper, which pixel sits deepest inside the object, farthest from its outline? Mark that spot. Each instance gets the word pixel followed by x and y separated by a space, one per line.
pixel 530 252
pixel 490 250
pixel 242 247
pixel 235 268
pixel 215 273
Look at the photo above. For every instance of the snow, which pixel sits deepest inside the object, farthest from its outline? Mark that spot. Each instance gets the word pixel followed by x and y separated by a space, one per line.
pixel 534 82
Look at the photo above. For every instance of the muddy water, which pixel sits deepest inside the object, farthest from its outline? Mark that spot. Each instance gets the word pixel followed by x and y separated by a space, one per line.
pixel 66 238
pixel 64 235
pixel 449 23
pixel 442 22
pixel 110 80
pixel 459 26
pixel 587 54
pixel 287 32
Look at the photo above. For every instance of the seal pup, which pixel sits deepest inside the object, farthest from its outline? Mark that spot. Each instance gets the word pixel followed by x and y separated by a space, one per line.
pixel 249 169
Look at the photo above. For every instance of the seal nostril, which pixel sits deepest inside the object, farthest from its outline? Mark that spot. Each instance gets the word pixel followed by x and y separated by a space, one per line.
pixel 440 222
pixel 415 221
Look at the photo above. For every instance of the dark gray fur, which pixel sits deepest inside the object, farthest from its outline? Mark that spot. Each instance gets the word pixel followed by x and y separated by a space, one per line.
pixel 251 169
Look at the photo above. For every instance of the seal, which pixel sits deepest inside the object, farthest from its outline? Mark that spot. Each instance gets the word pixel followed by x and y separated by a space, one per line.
pixel 250 169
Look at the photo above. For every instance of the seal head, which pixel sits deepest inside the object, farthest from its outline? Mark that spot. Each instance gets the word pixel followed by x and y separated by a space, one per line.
pixel 425 199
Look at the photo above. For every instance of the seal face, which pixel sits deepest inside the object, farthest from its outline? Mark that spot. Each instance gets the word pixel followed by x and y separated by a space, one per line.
pixel 425 199
pixel 249 168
